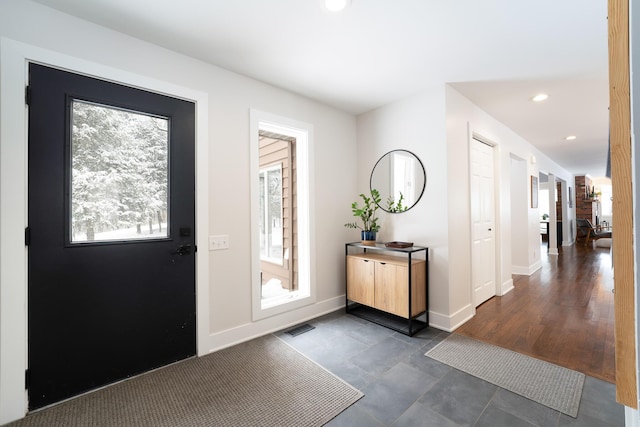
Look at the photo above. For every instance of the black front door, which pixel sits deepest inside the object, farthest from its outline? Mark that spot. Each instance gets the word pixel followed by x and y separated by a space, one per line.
pixel 111 233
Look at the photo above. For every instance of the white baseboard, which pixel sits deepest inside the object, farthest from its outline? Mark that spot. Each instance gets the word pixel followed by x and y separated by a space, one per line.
pixel 526 270
pixel 249 331
pixel 534 267
pixel 506 287
pixel 450 323
pixel 520 270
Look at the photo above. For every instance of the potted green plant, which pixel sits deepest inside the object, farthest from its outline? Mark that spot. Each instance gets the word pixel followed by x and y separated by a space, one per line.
pixel 367 214
pixel 393 207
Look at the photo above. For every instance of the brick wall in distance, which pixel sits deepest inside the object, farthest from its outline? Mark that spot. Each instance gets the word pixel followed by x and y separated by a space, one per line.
pixel 584 207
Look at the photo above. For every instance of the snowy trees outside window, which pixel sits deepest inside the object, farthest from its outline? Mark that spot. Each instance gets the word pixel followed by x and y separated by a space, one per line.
pixel 119 174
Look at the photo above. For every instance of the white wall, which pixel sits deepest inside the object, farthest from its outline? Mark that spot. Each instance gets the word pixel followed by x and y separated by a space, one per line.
pixel 230 96
pixel 436 125
pixel 462 113
pixel 416 124
pixel 519 217
pixel 600 184
pixel 568 212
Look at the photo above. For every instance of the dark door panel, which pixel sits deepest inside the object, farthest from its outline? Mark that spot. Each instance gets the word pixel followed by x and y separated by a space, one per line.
pixel 104 310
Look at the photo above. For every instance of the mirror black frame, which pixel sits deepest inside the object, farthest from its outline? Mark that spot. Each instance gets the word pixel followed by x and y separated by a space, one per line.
pixel 385 196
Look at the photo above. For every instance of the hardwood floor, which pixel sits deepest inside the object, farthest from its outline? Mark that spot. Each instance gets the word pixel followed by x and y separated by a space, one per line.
pixel 562 314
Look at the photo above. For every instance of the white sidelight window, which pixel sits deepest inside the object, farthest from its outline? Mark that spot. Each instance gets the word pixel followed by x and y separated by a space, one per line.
pixel 281 199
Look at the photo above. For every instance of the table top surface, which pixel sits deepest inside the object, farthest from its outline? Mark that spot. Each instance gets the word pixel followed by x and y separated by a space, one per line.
pixel 380 246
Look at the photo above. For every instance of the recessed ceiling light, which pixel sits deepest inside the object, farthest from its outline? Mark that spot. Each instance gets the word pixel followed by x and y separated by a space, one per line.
pixel 540 97
pixel 336 5
pixel 570 137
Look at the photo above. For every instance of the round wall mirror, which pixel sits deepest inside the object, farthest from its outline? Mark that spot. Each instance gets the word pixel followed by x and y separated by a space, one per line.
pixel 400 178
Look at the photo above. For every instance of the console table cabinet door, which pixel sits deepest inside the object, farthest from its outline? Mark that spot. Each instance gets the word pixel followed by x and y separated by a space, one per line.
pixel 360 280
pixel 381 282
pixel 391 290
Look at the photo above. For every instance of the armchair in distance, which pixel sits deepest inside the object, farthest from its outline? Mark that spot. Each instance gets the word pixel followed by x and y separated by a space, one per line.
pixel 589 232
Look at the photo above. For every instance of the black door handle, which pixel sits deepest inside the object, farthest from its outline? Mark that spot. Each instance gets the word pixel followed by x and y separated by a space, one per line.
pixel 183 250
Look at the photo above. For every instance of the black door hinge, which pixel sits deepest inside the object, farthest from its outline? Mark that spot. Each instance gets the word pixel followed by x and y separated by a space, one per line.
pixel 27 236
pixel 27 379
pixel 27 95
pixel 195 248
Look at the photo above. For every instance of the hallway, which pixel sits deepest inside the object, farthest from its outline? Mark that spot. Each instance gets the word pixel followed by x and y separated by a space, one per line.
pixel 563 313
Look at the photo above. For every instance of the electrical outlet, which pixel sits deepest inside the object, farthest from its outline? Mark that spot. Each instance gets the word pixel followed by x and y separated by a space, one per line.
pixel 219 242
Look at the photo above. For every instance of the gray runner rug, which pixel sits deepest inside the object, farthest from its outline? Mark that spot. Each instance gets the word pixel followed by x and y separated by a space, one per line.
pixel 548 384
pixel 263 382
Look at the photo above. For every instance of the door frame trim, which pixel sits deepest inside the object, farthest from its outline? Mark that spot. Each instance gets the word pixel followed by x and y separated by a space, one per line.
pixel 14 59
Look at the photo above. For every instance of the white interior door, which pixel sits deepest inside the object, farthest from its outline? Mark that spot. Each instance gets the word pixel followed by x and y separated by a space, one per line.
pixel 483 222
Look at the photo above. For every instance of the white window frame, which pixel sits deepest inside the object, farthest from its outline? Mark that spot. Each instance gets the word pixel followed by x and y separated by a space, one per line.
pixel 306 293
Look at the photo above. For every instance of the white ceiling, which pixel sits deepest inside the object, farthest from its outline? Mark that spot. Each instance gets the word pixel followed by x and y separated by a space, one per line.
pixel 498 53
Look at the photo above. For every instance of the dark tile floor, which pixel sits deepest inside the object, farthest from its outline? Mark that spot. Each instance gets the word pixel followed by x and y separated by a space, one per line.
pixel 403 387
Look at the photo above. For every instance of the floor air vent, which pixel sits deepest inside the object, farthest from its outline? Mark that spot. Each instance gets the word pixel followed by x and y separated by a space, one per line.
pixel 294 332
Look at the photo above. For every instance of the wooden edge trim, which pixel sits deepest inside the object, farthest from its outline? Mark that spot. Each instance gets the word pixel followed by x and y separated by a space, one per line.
pixel 621 180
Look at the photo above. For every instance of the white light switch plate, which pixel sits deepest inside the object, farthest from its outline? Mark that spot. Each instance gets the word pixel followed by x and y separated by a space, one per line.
pixel 219 242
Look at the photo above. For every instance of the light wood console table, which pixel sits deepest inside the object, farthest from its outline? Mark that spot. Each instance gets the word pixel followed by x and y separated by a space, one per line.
pixel 388 285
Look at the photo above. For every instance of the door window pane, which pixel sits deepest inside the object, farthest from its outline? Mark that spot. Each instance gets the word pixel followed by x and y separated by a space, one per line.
pixel 119 174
